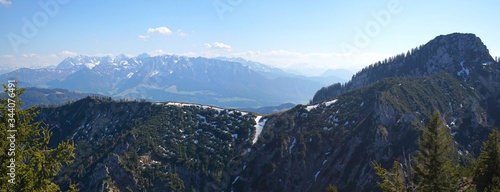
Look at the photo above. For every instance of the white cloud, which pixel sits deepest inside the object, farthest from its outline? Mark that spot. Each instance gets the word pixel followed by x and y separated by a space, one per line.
pixel 180 33
pixel 5 3
pixel 33 60
pixel 160 30
pixel 312 63
pixel 144 37
pixel 30 60
pixel 31 55
pixel 217 45
pixel 68 54
pixel 159 52
pixel 8 56
pixel 207 45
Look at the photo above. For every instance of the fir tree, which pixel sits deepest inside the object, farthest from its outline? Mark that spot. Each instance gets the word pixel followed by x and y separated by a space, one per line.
pixel 433 167
pixel 487 171
pixel 392 181
pixel 331 188
pixel 26 151
pixel 399 178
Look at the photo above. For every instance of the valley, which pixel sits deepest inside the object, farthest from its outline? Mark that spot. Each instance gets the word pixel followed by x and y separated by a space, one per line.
pixel 377 116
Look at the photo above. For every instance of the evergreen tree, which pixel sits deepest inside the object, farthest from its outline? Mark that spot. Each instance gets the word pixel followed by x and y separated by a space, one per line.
pixel 331 188
pixel 433 167
pixel 175 183
pixel 487 171
pixel 24 150
pixel 392 181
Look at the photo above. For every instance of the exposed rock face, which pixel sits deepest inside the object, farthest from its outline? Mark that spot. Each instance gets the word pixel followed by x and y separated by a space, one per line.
pixel 336 143
pixel 463 55
pixel 376 117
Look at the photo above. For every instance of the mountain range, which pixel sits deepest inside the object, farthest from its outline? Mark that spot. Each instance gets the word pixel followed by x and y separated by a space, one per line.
pixel 377 116
pixel 226 82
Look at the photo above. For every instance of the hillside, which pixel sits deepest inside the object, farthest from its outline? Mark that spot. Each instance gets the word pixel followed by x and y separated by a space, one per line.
pixel 463 55
pixel 377 116
pixel 119 142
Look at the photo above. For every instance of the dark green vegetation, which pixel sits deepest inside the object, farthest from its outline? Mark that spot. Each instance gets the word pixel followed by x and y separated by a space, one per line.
pixel 33 96
pixel 487 170
pixel 433 169
pixel 270 109
pixel 27 162
pixel 463 55
pixel 146 146
pixel 378 116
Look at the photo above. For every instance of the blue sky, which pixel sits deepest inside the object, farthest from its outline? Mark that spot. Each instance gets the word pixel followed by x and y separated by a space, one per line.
pixel 305 36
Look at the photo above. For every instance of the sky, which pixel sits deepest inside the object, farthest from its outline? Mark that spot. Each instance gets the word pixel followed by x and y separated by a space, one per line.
pixel 304 36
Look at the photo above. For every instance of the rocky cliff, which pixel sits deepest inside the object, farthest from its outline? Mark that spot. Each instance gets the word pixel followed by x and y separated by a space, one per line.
pixel 377 116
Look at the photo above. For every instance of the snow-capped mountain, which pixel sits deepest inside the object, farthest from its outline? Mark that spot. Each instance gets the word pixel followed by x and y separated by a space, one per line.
pixel 227 83
pixel 377 117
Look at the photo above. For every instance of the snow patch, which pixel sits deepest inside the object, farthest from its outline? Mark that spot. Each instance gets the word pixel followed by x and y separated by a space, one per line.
pixel 130 75
pixel 90 65
pixel 316 175
pixel 487 63
pixel 327 128
pixel 328 103
pixel 292 145
pixel 259 125
pixel 178 104
pixel 311 107
pixel 463 70
pixel 155 72
pixel 235 179
pixel 74 135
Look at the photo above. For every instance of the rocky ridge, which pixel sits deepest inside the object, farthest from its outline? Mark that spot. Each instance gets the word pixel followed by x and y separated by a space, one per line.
pixel 377 116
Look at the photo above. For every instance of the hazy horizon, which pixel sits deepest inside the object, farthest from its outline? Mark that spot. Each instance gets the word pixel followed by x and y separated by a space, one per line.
pixel 305 37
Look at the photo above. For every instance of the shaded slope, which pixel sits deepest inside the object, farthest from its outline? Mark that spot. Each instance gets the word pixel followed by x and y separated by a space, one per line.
pixel 150 146
pixel 462 55
pixel 309 147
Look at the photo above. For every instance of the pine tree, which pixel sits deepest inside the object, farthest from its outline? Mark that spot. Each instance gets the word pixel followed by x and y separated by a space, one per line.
pixel 392 181
pixel 24 150
pixel 433 167
pixel 331 188
pixel 487 171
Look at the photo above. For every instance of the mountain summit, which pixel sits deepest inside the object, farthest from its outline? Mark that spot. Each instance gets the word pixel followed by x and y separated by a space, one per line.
pixel 222 82
pixel 457 53
pixel 377 116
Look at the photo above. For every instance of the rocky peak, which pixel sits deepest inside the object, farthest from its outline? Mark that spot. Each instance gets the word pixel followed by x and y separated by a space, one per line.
pixel 462 55
pixel 461 42
pixel 452 53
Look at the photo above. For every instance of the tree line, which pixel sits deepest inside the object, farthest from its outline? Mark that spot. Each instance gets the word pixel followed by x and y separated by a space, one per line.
pixel 434 170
